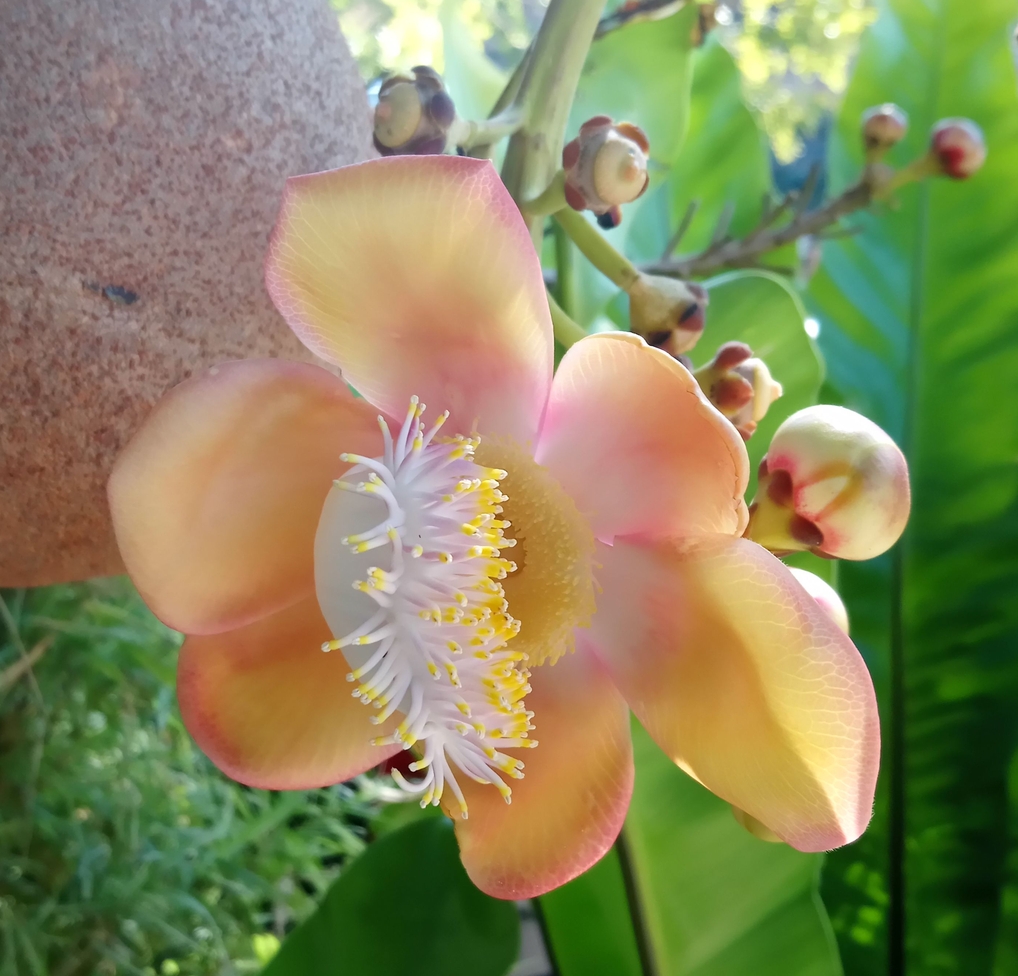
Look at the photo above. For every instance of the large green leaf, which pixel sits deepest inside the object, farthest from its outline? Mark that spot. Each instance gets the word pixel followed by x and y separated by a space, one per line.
pixel 713 900
pixel 717 901
pixel 404 906
pixel 723 164
pixel 589 924
pixel 919 322
pixel 642 74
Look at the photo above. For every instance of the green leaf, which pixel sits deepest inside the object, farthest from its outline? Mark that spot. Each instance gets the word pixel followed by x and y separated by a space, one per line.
pixel 919 324
pixel 404 906
pixel 642 73
pixel 723 163
pixel 472 79
pixel 717 901
pixel 588 924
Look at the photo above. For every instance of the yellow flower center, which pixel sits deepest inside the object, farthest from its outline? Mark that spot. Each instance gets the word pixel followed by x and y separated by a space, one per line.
pixel 552 591
pixel 420 532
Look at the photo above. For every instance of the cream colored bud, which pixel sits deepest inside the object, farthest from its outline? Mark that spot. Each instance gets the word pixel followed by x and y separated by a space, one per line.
pixel 605 165
pixel 959 147
pixel 398 114
pixel 668 313
pixel 883 126
pixel 832 482
pixel 825 595
pixel 413 115
pixel 620 170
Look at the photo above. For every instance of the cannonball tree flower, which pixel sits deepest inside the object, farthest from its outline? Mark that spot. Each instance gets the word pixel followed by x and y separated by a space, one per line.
pixel 492 578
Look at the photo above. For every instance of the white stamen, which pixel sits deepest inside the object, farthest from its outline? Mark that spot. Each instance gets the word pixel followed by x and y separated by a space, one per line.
pixel 442 622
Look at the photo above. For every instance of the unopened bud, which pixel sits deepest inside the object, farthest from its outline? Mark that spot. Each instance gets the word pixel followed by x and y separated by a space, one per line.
pixel 605 166
pixel 825 595
pixel 832 483
pixel 739 385
pixel 958 147
pixel 413 115
pixel 668 313
pixel 883 126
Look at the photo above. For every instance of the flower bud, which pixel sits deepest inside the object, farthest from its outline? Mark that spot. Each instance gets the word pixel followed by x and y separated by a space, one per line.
pixel 413 115
pixel 958 147
pixel 825 595
pixel 883 126
pixel 833 483
pixel 668 313
pixel 605 166
pixel 739 385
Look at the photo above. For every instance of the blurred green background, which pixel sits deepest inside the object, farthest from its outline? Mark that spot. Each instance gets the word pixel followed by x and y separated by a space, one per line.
pixel 122 850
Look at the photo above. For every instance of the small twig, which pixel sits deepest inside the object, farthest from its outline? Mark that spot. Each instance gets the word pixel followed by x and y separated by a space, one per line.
pixel 836 233
pixel 480 135
pixel 12 626
pixel 640 10
pixel 14 672
pixel 724 224
pixel 805 194
pixel 676 239
pixel 766 237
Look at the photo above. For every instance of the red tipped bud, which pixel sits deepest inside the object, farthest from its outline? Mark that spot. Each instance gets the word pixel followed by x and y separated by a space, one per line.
pixel 605 166
pixel 959 147
pixel 739 385
pixel 413 115
pixel 833 483
pixel 883 126
pixel 668 313
pixel 825 595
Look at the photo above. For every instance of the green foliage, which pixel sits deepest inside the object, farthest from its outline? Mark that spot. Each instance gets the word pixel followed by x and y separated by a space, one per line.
pixel 124 850
pixel 393 35
pixel 405 906
pixel 653 58
pixel 715 901
pixel 920 328
pixel 795 57
pixel 589 925
pixel 723 164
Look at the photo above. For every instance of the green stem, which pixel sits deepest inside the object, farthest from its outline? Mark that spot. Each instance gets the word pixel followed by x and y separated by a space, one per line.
pixel 598 251
pixel 548 202
pixel 920 169
pixel 546 94
pixel 567 332
pixel 471 135
pixel 565 266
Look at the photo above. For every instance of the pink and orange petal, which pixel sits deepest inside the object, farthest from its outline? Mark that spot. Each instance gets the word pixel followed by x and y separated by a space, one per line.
pixel 271 710
pixel 417 276
pixel 744 682
pixel 630 436
pixel 568 809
